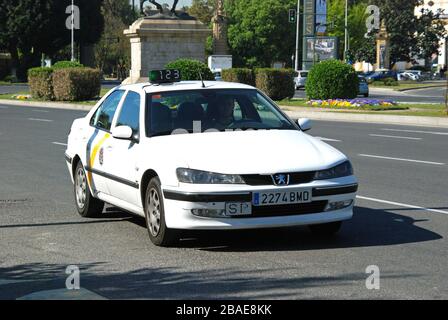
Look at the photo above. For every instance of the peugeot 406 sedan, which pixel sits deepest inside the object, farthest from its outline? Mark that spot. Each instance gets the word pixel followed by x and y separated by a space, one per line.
pixel 205 156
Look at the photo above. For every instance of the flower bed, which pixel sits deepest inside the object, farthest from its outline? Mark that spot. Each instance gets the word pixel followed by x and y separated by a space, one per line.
pixel 352 103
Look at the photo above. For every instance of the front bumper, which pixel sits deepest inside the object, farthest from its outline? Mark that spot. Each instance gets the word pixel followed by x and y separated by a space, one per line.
pixel 179 206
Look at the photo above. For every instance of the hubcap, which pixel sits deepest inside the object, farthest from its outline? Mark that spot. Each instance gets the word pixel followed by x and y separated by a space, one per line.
pixel 153 207
pixel 81 188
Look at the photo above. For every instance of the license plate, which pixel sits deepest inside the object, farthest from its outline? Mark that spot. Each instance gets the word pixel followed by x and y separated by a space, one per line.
pixel 238 208
pixel 281 197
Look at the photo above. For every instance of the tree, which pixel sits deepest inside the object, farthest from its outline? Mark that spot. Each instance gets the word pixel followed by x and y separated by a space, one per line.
pixel 356 26
pixel 410 35
pixel 430 29
pixel 32 27
pixel 203 10
pixel 112 51
pixel 259 32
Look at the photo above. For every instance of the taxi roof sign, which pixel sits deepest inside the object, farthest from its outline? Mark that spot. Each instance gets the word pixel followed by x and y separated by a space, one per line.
pixel 164 76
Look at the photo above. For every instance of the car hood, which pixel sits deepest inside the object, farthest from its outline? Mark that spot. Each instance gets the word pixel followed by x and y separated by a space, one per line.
pixel 248 152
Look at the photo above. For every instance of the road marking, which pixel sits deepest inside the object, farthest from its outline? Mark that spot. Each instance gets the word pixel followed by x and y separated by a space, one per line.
pixel 43 120
pixel 327 139
pixel 35 110
pixel 401 204
pixel 401 159
pixel 417 131
pixel 59 143
pixel 397 137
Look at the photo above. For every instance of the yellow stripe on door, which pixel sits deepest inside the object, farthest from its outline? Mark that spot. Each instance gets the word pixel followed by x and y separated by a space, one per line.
pixel 93 155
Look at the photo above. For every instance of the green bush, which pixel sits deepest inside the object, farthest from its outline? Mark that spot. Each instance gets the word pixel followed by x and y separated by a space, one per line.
pixel 390 82
pixel 67 64
pixel 332 79
pixel 189 69
pixel 278 84
pixel 241 75
pixel 76 84
pixel 41 83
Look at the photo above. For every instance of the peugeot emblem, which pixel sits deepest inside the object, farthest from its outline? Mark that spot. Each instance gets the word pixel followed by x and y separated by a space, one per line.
pixel 280 179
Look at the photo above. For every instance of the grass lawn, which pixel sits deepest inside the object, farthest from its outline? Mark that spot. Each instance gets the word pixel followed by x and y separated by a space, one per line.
pixel 11 96
pixel 427 110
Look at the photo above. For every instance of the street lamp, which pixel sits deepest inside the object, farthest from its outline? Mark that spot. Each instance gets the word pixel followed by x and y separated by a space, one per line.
pixel 73 32
pixel 296 65
pixel 346 31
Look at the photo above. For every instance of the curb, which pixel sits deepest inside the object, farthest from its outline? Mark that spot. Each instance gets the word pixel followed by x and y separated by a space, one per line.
pixel 53 105
pixel 426 87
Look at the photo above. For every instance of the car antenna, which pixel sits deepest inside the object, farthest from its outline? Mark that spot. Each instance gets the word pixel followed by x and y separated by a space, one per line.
pixel 200 76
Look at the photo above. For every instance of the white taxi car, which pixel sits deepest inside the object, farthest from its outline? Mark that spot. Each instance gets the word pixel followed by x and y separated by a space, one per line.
pixel 205 155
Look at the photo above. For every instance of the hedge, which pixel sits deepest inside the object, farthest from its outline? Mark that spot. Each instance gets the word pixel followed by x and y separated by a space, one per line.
pixel 278 84
pixel 241 75
pixel 189 69
pixel 332 79
pixel 67 64
pixel 76 84
pixel 41 82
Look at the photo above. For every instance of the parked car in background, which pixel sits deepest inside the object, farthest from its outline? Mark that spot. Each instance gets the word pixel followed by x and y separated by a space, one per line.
pixel 363 86
pixel 300 79
pixel 407 75
pixel 217 75
pixel 381 74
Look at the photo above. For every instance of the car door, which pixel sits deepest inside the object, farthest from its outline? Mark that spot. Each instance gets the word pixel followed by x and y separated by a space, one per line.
pixel 120 157
pixel 95 138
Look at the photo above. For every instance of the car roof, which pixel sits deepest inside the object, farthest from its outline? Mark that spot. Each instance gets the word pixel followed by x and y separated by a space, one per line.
pixel 184 85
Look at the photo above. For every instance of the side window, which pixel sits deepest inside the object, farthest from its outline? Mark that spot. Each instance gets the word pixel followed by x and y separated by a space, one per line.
pixel 129 115
pixel 104 115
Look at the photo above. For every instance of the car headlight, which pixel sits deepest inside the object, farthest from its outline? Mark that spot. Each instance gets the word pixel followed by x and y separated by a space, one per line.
pixel 204 177
pixel 341 170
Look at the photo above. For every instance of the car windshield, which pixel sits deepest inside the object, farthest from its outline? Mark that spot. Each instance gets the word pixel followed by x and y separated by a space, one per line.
pixel 208 110
pixel 304 74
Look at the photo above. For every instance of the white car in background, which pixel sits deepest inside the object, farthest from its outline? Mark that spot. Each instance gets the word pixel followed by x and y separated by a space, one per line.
pixel 205 156
pixel 406 75
pixel 300 79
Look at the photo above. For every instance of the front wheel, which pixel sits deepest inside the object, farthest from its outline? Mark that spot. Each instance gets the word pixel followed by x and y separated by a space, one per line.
pixel 326 229
pixel 87 205
pixel 159 233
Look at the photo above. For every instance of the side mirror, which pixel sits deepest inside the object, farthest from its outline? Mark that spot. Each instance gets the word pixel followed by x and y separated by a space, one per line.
pixel 305 124
pixel 122 132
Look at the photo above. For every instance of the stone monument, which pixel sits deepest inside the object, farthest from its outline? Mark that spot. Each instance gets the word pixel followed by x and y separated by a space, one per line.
pixel 382 48
pixel 161 36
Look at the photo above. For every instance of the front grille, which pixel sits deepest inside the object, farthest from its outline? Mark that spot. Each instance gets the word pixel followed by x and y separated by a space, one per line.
pixel 263 180
pixel 286 209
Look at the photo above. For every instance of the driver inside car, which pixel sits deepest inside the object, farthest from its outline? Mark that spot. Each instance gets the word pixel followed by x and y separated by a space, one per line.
pixel 223 113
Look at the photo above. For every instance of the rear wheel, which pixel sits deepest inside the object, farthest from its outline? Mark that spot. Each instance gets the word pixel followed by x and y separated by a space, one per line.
pixel 326 229
pixel 158 232
pixel 87 205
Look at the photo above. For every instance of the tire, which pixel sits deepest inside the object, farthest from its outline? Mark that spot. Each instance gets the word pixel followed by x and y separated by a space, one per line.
pixel 86 204
pixel 159 233
pixel 326 229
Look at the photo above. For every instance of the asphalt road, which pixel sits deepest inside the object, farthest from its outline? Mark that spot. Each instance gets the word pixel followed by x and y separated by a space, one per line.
pixel 428 95
pixel 42 234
